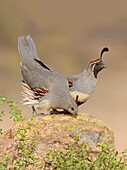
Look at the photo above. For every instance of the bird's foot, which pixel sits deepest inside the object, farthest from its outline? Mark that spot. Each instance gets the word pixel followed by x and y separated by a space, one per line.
pixel 34 112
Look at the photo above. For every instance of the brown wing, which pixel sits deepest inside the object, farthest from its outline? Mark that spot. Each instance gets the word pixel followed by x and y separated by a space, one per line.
pixel 41 91
pixel 35 93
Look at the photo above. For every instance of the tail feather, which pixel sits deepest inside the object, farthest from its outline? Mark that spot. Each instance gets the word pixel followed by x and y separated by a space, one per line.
pixel 27 48
pixel 33 46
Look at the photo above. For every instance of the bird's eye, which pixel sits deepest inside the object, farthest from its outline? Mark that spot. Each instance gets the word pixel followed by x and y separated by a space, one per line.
pixel 72 108
pixel 97 64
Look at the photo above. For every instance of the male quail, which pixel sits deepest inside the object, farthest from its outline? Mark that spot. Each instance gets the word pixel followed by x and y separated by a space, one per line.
pixel 82 85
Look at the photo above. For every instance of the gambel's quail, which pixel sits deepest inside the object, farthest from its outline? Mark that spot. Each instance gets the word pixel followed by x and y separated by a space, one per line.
pixel 44 87
pixel 82 85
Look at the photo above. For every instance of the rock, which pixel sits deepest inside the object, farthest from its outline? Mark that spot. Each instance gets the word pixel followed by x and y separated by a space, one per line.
pixel 58 132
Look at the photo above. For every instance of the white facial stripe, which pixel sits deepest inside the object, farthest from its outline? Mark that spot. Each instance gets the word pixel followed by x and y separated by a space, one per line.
pixel 94 62
pixel 93 70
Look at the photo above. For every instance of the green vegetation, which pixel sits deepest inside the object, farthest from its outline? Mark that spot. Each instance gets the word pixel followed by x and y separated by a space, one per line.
pixel 80 156
pixel 26 143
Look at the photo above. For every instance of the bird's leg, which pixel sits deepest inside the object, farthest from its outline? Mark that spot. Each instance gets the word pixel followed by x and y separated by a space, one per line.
pixel 34 111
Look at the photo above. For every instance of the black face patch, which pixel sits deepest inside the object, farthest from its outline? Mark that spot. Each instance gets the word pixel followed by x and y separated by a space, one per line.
pixel 98 67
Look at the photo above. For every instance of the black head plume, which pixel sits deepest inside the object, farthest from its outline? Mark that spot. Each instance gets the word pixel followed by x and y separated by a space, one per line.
pixel 104 50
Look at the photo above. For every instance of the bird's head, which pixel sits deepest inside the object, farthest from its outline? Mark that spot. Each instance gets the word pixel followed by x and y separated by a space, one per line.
pixel 97 65
pixel 72 108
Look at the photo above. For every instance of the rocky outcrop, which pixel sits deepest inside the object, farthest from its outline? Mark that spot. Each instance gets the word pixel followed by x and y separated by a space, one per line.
pixel 58 132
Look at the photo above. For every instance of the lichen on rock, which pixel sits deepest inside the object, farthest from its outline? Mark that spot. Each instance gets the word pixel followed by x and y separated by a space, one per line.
pixel 58 131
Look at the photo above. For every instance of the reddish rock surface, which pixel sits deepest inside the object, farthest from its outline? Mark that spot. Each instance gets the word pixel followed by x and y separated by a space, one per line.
pixel 58 131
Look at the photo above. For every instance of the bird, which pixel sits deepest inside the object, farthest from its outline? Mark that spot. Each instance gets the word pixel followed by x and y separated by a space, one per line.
pixel 44 87
pixel 83 85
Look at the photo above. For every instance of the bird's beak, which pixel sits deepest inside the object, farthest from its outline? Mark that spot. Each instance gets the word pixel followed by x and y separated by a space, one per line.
pixel 104 66
pixel 76 114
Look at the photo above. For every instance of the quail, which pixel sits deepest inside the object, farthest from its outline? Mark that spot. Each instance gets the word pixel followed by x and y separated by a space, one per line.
pixel 44 87
pixel 83 85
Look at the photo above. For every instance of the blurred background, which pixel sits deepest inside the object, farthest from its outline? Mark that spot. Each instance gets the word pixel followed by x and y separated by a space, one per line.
pixel 69 34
